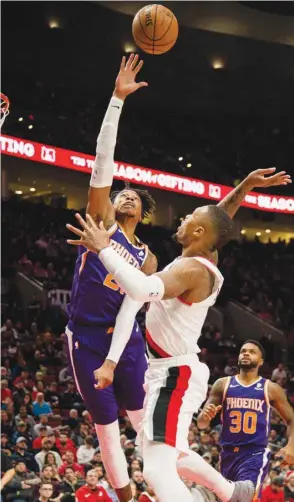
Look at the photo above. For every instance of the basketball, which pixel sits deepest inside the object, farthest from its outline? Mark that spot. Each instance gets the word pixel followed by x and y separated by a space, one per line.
pixel 155 29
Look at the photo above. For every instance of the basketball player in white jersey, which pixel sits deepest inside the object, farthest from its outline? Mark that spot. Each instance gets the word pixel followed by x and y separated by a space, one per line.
pixel 176 381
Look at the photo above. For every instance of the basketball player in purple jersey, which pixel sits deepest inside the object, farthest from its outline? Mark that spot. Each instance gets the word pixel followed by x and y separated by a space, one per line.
pixel 245 401
pixel 97 301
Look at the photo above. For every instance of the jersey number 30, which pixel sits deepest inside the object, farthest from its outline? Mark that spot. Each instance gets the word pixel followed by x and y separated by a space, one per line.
pixel 245 422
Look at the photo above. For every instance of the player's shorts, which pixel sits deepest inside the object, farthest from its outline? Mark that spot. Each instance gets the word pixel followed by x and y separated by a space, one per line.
pixel 87 349
pixel 175 389
pixel 246 462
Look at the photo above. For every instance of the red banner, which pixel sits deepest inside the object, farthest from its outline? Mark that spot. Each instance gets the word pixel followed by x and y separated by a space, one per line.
pixel 82 162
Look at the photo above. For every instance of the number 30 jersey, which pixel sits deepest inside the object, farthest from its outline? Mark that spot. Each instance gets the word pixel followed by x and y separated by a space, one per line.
pixel 95 296
pixel 246 413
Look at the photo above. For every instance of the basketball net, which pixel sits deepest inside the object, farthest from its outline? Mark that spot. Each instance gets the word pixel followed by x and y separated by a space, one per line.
pixel 4 108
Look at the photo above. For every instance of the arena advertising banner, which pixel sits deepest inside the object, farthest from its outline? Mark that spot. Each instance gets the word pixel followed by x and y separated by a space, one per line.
pixel 82 162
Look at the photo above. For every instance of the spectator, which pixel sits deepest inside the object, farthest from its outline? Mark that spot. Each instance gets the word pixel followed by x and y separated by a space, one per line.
pixel 22 455
pixel 86 452
pixel 279 375
pixel 96 460
pixel 5 391
pixel 79 437
pixel 40 407
pixel 274 492
pixel 70 397
pixel 289 487
pixel 6 424
pixel 46 448
pixel 21 485
pixel 5 446
pixel 148 495
pixel 46 492
pixel 73 420
pixel 49 476
pixel 69 461
pixel 25 378
pixel 22 432
pixel 24 417
pixel 64 375
pixel 138 479
pixel 43 423
pixel 63 444
pixel 51 394
pixel 90 492
pixel 37 443
pixel 70 482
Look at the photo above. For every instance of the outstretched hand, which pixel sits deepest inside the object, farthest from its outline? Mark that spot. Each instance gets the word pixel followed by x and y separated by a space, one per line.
pixel 92 237
pixel 125 83
pixel 268 178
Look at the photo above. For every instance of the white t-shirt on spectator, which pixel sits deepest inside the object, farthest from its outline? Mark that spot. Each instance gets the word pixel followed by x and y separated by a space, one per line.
pixel 37 429
pixel 84 454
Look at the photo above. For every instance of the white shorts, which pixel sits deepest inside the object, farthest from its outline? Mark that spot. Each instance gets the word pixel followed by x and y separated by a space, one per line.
pixel 175 389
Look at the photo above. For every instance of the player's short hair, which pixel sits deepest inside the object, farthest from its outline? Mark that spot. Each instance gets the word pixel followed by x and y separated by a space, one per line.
pixel 256 342
pixel 222 224
pixel 148 203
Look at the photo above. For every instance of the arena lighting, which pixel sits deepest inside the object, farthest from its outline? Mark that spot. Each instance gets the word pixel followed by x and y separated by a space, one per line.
pixel 181 158
pixel 268 231
pixel 18 192
pixel 30 126
pixel 54 24
pixel 258 234
pixel 217 64
pixel 243 232
pixel 20 119
pixel 32 189
pixel 189 164
pixel 129 47
pixel 50 155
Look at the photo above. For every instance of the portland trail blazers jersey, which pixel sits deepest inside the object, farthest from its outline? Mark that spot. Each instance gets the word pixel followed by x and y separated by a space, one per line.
pixel 245 413
pixel 95 296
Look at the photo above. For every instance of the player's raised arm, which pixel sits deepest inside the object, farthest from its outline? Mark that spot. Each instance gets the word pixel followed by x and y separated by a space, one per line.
pixel 213 404
pixel 99 205
pixel 279 401
pixel 256 179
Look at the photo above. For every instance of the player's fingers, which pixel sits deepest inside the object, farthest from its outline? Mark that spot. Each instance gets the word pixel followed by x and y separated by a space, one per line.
pixel 123 63
pixel 134 62
pixel 75 230
pixel 101 226
pixel 76 242
pixel 138 67
pixel 90 221
pixel 129 61
pixel 81 221
pixel 142 84
pixel 269 170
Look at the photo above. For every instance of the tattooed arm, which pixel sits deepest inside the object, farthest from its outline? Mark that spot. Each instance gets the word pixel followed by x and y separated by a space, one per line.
pixel 234 199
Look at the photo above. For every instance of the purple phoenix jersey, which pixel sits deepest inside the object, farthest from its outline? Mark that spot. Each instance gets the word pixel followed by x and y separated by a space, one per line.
pixel 95 302
pixel 246 418
pixel 95 296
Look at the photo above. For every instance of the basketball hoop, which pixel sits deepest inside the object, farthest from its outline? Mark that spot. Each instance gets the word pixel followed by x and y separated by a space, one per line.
pixel 4 108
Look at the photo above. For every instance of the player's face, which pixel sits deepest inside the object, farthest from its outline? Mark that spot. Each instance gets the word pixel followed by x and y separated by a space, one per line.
pixel 192 226
pixel 250 357
pixel 128 203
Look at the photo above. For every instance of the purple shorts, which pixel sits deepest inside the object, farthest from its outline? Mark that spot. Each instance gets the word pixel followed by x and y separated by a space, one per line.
pixel 87 349
pixel 246 462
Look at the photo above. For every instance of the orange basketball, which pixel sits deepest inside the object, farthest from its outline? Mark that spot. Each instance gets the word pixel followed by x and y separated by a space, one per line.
pixel 155 29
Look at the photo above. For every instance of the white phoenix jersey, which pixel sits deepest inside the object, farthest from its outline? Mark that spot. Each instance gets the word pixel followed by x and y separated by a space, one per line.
pixel 173 326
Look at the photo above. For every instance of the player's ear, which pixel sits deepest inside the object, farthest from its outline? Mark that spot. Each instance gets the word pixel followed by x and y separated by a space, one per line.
pixel 198 231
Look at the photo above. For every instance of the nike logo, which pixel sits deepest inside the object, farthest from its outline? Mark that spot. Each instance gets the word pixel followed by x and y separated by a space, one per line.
pixel 254 454
pixel 232 386
pixel 113 106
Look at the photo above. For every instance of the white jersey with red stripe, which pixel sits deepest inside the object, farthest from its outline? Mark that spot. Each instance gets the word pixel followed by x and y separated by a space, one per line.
pixel 173 326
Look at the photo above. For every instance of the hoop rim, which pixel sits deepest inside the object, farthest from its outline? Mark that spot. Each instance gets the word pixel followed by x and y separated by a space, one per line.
pixel 4 101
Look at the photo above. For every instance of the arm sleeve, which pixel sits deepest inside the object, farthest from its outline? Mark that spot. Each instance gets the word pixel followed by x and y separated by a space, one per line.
pixel 102 172
pixel 123 328
pixel 134 282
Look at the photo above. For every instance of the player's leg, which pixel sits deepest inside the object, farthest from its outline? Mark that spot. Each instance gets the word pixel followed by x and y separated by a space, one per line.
pixel 160 471
pixel 103 407
pixel 249 464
